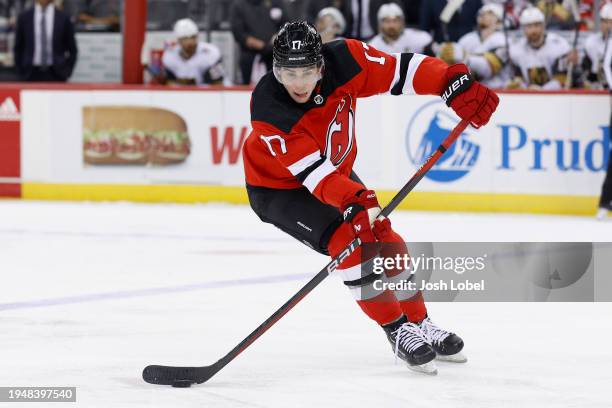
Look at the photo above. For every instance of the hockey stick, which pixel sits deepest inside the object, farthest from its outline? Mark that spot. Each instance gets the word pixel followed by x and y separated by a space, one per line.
pixel 447 15
pixel 505 28
pixel 569 79
pixel 185 376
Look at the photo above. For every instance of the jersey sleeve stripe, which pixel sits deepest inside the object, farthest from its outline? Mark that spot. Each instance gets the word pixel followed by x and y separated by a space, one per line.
pixel 305 162
pixel 415 62
pixel 306 172
pixel 402 68
pixel 312 180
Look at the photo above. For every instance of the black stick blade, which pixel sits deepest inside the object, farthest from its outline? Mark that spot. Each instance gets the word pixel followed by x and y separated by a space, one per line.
pixel 182 377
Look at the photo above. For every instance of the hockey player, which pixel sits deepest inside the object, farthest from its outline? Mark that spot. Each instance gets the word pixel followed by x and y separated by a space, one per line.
pixel 605 201
pixel 541 58
pixel 595 48
pixel 191 62
pixel 330 24
pixel 394 37
pixel 484 50
pixel 299 156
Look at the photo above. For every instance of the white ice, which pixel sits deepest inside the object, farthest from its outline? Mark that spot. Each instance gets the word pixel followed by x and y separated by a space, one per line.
pixel 91 293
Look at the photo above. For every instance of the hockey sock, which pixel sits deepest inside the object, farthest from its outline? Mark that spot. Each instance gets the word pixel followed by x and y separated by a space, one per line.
pixel 411 301
pixel 379 305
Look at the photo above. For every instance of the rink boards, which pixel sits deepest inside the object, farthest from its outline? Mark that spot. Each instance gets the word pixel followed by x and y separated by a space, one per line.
pixel 542 153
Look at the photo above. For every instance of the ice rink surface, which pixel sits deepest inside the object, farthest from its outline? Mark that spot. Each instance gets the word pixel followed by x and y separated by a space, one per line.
pixel 92 293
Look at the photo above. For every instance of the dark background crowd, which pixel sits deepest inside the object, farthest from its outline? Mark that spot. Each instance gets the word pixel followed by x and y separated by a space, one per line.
pixel 44 53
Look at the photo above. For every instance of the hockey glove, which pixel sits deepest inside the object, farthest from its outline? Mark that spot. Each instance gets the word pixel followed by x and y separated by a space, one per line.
pixel 469 98
pixel 361 211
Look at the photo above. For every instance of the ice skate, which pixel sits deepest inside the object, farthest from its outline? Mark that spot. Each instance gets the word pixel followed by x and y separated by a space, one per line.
pixel 409 344
pixel 447 345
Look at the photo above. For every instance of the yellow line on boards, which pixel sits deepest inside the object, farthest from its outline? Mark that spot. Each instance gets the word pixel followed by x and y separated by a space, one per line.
pixel 417 201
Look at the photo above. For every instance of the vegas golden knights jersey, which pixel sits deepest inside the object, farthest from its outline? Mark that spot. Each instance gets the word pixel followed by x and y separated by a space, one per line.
pixel 545 66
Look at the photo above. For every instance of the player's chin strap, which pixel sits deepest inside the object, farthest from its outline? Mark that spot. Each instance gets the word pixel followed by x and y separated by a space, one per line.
pixel 185 376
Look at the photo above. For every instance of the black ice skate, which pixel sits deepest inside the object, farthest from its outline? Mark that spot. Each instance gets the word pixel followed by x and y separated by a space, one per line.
pixel 410 344
pixel 447 345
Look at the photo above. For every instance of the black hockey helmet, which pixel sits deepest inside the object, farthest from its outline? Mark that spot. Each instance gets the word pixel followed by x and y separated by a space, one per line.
pixel 297 44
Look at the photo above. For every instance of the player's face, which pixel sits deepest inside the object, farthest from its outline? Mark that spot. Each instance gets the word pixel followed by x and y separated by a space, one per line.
pixel 606 26
pixel 487 20
pixel 392 27
pixel 189 44
pixel 300 81
pixel 534 33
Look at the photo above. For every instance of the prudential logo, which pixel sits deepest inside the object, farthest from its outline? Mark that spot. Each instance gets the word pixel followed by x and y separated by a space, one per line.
pixel 429 126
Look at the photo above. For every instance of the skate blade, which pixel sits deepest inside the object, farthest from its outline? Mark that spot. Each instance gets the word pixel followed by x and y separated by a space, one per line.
pixel 454 358
pixel 427 368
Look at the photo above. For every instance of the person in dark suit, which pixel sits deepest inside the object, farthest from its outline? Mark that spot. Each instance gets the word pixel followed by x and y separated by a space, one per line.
pixel 45 45
pixel 254 23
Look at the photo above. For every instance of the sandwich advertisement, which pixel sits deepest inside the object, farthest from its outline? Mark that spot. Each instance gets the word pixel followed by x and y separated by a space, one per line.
pixel 134 137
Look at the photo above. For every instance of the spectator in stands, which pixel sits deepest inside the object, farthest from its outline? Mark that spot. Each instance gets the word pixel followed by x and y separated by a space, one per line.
pixel 394 37
pixel 462 22
pixel 315 6
pixel 189 61
pixel 330 24
pixel 254 24
pixel 557 16
pixel 540 59
pixel 362 21
pixel 595 48
pixel 483 50
pixel 45 45
pixel 360 15
pixel 513 9
pixel 99 15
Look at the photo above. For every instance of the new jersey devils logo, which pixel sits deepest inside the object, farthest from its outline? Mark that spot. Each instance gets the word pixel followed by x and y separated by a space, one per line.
pixel 340 133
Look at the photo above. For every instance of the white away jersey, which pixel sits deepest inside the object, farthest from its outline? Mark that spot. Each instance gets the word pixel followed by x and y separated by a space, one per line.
pixel 487 58
pixel 595 49
pixel 539 66
pixel 204 63
pixel 411 40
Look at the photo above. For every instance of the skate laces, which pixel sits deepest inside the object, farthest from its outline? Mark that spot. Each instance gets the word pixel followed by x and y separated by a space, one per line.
pixel 433 333
pixel 410 336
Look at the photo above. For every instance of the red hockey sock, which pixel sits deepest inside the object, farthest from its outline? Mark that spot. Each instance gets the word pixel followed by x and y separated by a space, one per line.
pixel 414 308
pixel 383 309
pixel 380 306
pixel 411 302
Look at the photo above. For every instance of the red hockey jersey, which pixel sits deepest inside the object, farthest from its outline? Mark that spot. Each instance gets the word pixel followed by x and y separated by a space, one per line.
pixel 313 144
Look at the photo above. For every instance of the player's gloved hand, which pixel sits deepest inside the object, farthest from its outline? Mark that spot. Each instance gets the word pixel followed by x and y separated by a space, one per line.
pixel 382 229
pixel 361 211
pixel 469 98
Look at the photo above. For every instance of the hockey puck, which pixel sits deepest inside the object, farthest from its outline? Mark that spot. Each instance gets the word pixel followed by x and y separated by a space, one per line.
pixel 182 383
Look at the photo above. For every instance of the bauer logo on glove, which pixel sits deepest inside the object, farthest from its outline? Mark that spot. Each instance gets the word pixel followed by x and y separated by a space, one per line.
pixel 461 84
